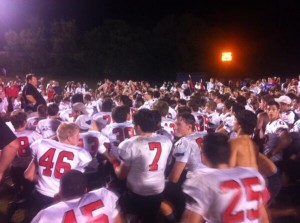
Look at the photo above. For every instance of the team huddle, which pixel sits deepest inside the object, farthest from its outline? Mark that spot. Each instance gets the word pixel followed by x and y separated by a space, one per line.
pixel 138 154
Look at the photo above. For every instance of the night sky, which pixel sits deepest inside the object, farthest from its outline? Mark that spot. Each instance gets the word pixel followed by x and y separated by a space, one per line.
pixel 269 29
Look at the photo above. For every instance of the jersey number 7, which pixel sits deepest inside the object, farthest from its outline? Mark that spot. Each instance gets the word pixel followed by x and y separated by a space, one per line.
pixel 155 146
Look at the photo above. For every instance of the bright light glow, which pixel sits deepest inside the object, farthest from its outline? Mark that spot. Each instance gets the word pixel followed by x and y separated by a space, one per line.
pixel 226 56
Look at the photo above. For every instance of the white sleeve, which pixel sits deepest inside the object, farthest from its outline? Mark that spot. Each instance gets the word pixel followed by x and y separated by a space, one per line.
pixel 125 152
pixel 182 151
pixel 198 193
pixel 102 140
pixel 85 159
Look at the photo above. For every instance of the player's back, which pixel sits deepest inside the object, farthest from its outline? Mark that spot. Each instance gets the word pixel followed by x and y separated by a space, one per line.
pixel 227 195
pixel 102 119
pixel 168 124
pixel 47 127
pixel 54 159
pixel 244 150
pixel 67 115
pixel 201 122
pixel 118 132
pixel 93 142
pixel 95 206
pixel 25 138
pixel 147 158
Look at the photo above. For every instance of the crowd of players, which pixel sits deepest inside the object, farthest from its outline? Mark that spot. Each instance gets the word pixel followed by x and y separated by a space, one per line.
pixel 128 151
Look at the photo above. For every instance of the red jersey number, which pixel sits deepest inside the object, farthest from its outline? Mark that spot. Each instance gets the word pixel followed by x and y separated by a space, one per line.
pixel 230 215
pixel 61 166
pixel 24 149
pixel 87 212
pixel 155 146
pixel 122 134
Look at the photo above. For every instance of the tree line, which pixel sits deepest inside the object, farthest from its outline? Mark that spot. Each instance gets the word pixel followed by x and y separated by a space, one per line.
pixel 114 49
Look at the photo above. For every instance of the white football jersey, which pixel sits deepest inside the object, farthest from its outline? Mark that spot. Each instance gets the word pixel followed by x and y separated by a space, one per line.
pixel 95 206
pixel 53 160
pixel 47 127
pixel 93 142
pixel 288 117
pixel 147 158
pixel 24 157
pixel 91 108
pixel 32 122
pixel 67 115
pixel 117 133
pixel 214 121
pixel 187 150
pixel 169 125
pixel 296 127
pixel 172 113
pixel 201 122
pixel 64 106
pixel 272 132
pixel 102 119
pixel 226 195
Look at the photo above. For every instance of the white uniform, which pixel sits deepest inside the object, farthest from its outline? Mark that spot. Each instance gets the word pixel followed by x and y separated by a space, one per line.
pixel 201 122
pixel 102 119
pixel 172 113
pixel 169 125
pixel 288 117
pixel 67 115
pixel 47 127
pixel 93 142
pixel 147 158
pixel 214 121
pixel 117 133
pixel 32 122
pixel 227 195
pixel 296 127
pixel 91 108
pixel 54 159
pixel 147 104
pixel 95 206
pixel 273 131
pixel 24 157
pixel 187 150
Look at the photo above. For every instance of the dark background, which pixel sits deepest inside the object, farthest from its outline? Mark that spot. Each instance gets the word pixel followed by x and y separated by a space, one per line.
pixel 150 39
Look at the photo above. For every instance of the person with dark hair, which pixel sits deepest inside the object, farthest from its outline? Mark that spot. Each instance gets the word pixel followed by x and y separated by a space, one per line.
pixel 277 134
pixel 227 119
pixel 200 118
pixel 22 186
pixel 32 97
pixel 243 150
pixel 215 200
pixel 187 157
pixel 120 129
pixel 47 127
pixel 143 163
pixel 41 114
pixel 103 117
pixel 78 97
pixel 213 116
pixel 78 205
pixel 149 100
pixel 167 124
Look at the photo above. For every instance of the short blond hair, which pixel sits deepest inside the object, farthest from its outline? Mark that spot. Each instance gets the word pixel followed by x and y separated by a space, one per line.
pixel 65 130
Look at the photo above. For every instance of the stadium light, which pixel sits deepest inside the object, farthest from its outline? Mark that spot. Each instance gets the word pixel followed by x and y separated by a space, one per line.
pixel 226 56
